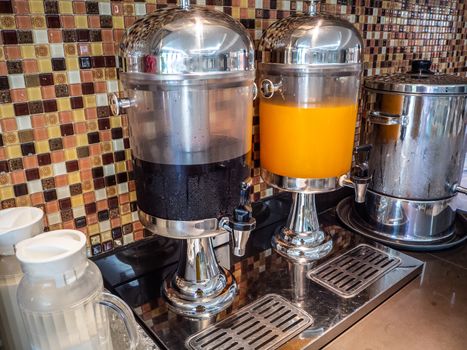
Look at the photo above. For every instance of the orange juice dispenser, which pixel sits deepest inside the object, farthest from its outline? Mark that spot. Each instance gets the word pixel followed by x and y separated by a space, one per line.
pixel 310 70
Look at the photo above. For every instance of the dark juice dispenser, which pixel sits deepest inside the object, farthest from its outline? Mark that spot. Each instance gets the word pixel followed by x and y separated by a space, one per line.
pixel 188 74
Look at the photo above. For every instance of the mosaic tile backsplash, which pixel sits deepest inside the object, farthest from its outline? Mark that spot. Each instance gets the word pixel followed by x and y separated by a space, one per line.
pixel 60 148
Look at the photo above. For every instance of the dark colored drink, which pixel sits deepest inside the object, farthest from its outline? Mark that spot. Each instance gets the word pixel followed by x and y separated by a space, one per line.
pixel 190 192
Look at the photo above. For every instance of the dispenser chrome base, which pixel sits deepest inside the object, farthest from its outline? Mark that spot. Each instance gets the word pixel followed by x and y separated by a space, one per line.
pixel 206 303
pixel 200 288
pixel 301 240
pixel 301 248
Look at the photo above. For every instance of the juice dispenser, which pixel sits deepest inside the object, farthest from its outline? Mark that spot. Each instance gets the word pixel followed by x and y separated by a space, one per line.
pixel 188 74
pixel 310 74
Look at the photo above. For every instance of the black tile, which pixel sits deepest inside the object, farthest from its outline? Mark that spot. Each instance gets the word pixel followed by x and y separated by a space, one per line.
pixel 53 21
pixel 93 137
pixel 82 35
pixel 122 177
pixel 97 172
pixel 20 190
pixel 36 107
pixel 85 62
pixel 44 159
pixel 69 36
pixel 99 183
pixel 95 35
pixel 96 249
pixel 107 158
pixel 5 96
pixel 58 64
pixel 119 156
pixel 108 246
pixel 80 222
pixel 51 7
pixel 90 208
pixel 110 181
pixel 116 232
pixel 127 228
pixel 98 61
pixel 92 7
pixel 103 123
pixel 76 102
pixel 50 195
pixel 21 108
pixel 14 67
pixel 9 37
pixel 6 6
pixel 67 129
pixel 28 149
pixel 112 202
pixel 4 166
pixel 46 79
pixel 87 88
pixel 71 166
pixel 50 106
pixel 117 133
pixel 103 215
pixel 4 85
pixel 106 21
pixel 25 37
pixel 55 144
pixel 64 203
pixel 126 143
pixel 110 61
pixel 32 174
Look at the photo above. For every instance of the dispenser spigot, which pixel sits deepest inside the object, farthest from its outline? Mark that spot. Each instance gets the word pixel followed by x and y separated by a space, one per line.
pixel 359 178
pixel 243 222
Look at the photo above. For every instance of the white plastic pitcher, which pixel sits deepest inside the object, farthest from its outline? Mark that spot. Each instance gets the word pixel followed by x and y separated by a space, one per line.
pixel 16 224
pixel 61 295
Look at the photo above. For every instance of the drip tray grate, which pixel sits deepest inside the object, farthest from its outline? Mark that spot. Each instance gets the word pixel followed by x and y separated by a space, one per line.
pixel 264 324
pixel 348 274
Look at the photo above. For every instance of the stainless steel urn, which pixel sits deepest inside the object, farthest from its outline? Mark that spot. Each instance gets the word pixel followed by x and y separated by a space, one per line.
pixel 416 123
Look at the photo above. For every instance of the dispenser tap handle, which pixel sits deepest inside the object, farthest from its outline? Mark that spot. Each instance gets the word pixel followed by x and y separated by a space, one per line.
pixel 359 178
pixel 243 222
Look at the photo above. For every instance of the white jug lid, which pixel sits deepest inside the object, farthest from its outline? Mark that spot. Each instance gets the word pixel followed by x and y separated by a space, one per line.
pixel 52 254
pixel 17 224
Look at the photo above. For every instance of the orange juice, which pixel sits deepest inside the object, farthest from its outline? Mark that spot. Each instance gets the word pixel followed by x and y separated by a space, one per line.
pixel 307 142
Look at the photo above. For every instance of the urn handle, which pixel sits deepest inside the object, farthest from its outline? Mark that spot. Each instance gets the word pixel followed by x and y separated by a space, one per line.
pixel 383 118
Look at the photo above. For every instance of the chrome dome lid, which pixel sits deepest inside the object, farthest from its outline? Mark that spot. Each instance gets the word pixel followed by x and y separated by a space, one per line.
pixel 186 40
pixel 311 39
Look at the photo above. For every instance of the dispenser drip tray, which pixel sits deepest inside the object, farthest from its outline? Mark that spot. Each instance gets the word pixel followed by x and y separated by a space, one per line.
pixel 350 273
pixel 264 324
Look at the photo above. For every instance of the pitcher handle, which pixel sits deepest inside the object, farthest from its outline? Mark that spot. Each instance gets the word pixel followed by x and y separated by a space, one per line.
pixel 124 312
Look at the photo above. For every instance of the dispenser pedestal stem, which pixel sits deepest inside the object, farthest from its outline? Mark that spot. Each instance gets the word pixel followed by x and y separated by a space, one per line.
pixel 301 240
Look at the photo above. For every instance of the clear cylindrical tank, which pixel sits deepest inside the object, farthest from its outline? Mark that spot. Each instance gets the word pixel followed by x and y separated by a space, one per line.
pixel 308 125
pixel 188 74
pixel 190 144
pixel 309 78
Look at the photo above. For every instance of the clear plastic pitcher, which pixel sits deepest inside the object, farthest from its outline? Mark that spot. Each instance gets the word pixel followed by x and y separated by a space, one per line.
pixel 61 295
pixel 16 224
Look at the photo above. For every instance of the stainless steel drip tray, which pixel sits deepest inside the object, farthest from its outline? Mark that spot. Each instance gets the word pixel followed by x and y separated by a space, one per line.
pixel 314 290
